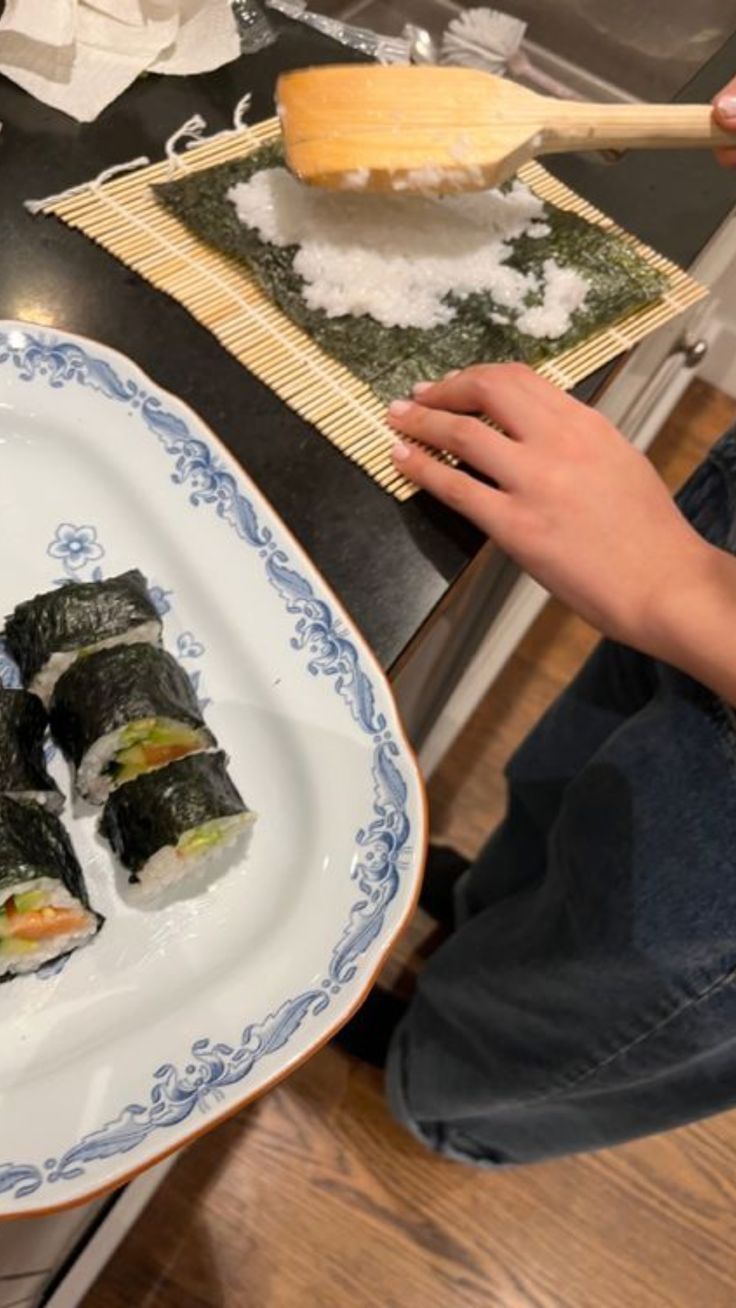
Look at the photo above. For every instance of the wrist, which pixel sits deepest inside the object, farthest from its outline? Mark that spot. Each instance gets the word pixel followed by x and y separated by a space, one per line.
pixel 694 618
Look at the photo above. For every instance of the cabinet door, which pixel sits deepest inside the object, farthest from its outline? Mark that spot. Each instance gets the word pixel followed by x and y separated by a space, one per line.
pixel 643 394
pixel 33 1249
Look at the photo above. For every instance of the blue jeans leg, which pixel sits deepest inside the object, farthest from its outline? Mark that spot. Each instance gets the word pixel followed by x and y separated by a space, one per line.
pixel 587 996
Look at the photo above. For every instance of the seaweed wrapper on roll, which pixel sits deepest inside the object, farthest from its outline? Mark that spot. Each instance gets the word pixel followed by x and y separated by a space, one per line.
pixel 44 908
pixel 166 823
pixel 122 712
pixel 46 634
pixel 23 773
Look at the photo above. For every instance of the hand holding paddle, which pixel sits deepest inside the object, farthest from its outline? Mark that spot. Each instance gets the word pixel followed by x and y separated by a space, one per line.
pixel 364 126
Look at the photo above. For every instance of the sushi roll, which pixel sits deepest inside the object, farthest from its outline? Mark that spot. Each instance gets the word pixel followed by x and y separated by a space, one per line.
pixel 23 772
pixel 122 712
pixel 44 909
pixel 46 634
pixel 166 823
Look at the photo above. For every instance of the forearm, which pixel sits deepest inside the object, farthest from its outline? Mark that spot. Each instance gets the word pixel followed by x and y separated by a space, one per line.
pixel 696 630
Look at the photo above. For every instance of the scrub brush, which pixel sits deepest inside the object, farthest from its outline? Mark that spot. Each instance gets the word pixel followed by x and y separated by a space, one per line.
pixel 490 40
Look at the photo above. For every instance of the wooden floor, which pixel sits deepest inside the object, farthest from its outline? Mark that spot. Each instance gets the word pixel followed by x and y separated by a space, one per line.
pixel 313 1198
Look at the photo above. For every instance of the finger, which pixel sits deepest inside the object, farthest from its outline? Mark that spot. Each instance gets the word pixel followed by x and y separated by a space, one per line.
pixel 724 107
pixel 727 158
pixel 468 439
pixel 515 397
pixel 460 491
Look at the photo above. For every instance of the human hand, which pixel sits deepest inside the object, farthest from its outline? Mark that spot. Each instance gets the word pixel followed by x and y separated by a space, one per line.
pixel 724 112
pixel 573 502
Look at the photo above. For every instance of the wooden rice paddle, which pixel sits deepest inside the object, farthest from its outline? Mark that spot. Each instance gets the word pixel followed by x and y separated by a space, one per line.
pixel 454 129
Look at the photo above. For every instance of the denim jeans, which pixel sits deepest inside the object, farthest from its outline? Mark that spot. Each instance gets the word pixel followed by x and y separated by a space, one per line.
pixel 588 993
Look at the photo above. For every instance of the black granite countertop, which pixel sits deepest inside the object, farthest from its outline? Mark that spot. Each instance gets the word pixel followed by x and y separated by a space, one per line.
pixel 389 563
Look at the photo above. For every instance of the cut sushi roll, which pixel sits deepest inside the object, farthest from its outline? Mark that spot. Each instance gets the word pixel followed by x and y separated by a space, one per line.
pixel 46 634
pixel 23 772
pixel 44 909
pixel 122 712
pixel 166 823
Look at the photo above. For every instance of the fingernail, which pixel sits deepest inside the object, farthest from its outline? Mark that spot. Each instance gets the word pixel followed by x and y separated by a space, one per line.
pixel 455 372
pixel 400 451
pixel 421 387
pixel 726 106
pixel 397 407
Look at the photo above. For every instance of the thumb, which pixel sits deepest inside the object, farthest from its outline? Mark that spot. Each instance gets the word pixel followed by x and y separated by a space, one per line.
pixel 724 112
pixel 724 107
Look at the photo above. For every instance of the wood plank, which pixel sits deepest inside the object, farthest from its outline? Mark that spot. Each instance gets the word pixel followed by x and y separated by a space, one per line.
pixel 314 1198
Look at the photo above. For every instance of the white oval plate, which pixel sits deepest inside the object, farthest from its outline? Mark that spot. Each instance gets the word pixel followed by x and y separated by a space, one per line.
pixel 175 1017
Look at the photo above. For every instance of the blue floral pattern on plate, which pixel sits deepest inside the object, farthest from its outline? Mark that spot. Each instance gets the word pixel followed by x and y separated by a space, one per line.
pixel 381 845
pixel 75 546
pixel 188 647
pixel 160 599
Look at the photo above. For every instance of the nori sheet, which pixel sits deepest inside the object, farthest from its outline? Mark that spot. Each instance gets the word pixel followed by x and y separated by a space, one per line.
pixel 33 844
pixel 391 359
pixel 157 808
pixel 78 614
pixel 23 725
pixel 111 688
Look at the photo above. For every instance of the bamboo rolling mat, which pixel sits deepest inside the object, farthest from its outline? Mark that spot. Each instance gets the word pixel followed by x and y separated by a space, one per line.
pixel 123 216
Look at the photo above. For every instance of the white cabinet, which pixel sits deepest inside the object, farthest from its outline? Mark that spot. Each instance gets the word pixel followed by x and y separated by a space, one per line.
pixel 32 1251
pixel 51 1262
pixel 101 1241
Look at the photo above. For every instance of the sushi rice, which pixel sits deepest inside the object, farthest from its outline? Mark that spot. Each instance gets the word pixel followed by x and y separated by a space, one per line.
pixel 148 633
pixel 125 711
pixel 47 633
pixel 111 760
pixel 168 823
pixel 195 850
pixel 39 921
pixel 45 912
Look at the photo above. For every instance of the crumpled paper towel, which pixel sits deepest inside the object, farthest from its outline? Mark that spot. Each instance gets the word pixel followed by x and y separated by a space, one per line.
pixel 79 55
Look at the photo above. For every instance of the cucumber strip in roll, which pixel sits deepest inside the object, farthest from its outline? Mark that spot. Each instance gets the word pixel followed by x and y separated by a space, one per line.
pixel 46 634
pixel 44 908
pixel 23 773
pixel 122 712
pixel 166 823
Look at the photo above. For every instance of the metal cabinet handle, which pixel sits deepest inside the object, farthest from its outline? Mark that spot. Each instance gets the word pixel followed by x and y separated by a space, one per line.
pixel 693 352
